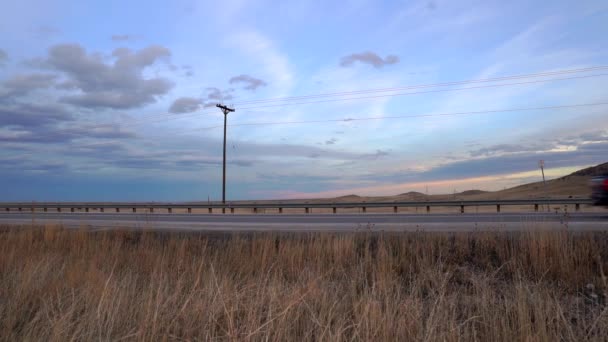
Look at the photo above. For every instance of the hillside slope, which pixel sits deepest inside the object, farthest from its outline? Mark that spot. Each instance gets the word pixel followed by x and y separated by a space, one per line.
pixel 574 185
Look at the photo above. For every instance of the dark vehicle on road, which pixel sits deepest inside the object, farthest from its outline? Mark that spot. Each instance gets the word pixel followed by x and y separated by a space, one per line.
pixel 599 187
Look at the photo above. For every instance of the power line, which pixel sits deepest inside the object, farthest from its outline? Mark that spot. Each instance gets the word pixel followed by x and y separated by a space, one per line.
pixel 389 117
pixel 506 110
pixel 422 92
pixel 170 116
pixel 444 84
pixel 191 115
pixel 69 131
pixel 348 119
pixel 431 85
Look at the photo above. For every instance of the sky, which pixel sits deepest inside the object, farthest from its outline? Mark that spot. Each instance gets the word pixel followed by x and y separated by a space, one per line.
pixel 115 100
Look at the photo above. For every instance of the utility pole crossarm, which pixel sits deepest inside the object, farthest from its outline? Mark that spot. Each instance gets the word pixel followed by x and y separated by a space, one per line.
pixel 224 109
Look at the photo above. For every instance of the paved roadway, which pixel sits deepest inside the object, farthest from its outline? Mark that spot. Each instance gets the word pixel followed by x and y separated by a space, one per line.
pixel 315 222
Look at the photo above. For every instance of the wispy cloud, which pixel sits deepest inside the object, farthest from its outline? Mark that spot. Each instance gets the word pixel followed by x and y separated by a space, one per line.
pixel 249 82
pixel 185 105
pixel 123 38
pixel 370 58
pixel 3 57
pixel 46 32
pixel 275 66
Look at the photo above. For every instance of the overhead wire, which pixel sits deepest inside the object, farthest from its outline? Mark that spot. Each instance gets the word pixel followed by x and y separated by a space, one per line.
pixel 424 92
pixel 173 116
pixel 349 119
pixel 354 119
pixel 196 114
pixel 443 84
pixel 160 117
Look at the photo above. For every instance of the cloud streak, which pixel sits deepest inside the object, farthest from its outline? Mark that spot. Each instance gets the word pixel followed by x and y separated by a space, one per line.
pixel 122 38
pixel 248 82
pixel 52 135
pixel 3 58
pixel 185 105
pixel 26 115
pixel 21 85
pixel 369 58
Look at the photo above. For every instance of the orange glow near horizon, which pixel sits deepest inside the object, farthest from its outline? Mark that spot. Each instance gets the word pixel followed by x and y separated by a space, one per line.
pixel 487 183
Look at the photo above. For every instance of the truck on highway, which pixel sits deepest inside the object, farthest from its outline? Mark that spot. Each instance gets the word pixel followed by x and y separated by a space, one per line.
pixel 599 188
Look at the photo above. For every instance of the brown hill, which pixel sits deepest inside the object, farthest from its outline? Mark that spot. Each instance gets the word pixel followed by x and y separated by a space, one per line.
pixel 471 193
pixel 411 196
pixel 591 171
pixel 574 185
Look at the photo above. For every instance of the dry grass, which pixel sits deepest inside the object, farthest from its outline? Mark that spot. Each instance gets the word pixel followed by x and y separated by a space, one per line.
pixel 59 285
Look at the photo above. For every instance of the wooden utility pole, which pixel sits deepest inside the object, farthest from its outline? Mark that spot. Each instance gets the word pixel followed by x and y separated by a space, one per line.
pixel 225 110
pixel 541 163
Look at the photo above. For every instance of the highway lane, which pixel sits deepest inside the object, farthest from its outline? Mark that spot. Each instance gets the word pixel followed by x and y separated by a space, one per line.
pixel 315 222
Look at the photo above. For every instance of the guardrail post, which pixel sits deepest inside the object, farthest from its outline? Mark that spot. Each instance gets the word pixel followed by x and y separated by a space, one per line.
pixel 20 209
pixel 428 209
pixel 32 209
pixel 462 209
pixel 577 207
pixel 134 210
pixel 232 210
pixel 169 210
pixel 58 210
pixel 117 210
pixel 210 210
pixel 363 208
pixel 498 208
pixel 223 210
pixel 189 210
pixel 280 210
pixel 86 209
pixel 71 210
pixel 101 210
pixel 45 209
pixel 8 209
pixel 255 210
pixel 536 207
pixel 307 210
pixel 395 209
pixel 151 209
pixel 334 210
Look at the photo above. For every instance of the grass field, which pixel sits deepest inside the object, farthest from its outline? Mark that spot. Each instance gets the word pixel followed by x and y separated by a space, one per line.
pixel 59 285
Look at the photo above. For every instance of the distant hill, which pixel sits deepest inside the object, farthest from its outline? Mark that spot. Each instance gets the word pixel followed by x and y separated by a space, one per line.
pixel 591 171
pixel 348 198
pixel 471 193
pixel 412 193
pixel 574 185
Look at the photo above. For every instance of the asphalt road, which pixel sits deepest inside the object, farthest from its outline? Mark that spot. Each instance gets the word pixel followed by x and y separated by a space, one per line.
pixel 312 222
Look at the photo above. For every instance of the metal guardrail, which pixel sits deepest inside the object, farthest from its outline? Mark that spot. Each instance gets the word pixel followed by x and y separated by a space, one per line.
pixel 280 206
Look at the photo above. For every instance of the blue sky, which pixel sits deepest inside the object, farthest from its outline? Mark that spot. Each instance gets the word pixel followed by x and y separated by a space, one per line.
pixel 113 100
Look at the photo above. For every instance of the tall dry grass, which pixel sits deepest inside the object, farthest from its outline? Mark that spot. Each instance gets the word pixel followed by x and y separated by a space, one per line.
pixel 60 285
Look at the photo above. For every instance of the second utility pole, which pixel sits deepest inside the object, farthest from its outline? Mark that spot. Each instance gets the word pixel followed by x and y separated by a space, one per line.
pixel 541 163
pixel 225 110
